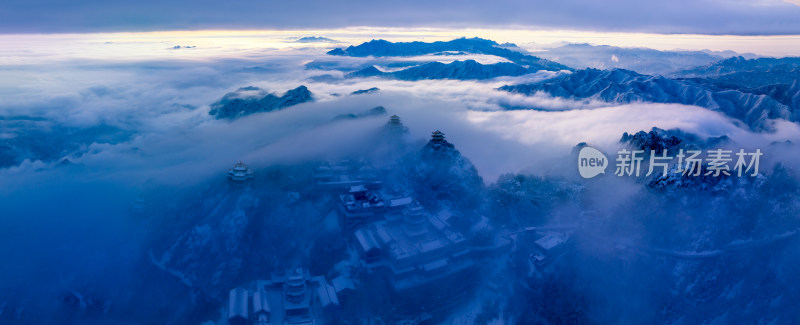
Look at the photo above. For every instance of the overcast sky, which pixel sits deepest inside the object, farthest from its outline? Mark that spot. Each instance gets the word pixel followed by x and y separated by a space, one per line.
pixel 743 17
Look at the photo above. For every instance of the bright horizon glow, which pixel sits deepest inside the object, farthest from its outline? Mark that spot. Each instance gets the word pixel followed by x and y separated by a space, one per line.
pixel 21 48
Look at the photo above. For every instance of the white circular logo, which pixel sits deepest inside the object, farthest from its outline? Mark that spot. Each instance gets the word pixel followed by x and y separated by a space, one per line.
pixel 591 162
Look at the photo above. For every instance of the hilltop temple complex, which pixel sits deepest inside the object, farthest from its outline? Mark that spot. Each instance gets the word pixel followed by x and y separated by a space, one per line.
pixel 421 263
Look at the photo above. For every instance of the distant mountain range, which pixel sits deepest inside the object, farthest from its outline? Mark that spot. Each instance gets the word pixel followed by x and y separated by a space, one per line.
pixel 248 100
pixel 625 86
pixel 777 78
pixel 749 73
pixel 642 60
pixel 741 64
pixel 315 39
pixel 383 48
pixel 459 70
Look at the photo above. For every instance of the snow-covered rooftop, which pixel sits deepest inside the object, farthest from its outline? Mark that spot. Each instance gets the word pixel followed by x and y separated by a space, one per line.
pixel 551 240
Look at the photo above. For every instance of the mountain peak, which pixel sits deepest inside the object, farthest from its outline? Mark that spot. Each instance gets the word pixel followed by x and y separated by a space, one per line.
pixel 370 71
pixel 248 100
pixel 337 51
pixel 444 175
pixel 298 95
pixel 438 143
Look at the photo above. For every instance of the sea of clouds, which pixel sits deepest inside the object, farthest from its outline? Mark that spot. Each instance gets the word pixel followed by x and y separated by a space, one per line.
pixel 160 96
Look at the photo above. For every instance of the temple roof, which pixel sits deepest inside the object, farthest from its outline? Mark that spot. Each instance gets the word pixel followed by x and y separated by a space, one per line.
pixel 437 136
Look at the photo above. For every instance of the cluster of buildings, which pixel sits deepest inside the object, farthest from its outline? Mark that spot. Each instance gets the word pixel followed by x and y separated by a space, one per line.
pixel 427 266
pixel 423 260
pixel 344 175
pixel 425 263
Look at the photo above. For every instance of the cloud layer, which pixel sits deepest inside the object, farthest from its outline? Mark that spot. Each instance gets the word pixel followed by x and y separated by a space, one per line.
pixel 164 104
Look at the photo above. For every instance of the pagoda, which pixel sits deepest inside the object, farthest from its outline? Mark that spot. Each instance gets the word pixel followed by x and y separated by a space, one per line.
pixel 439 144
pixel 394 128
pixel 437 137
pixel 394 121
pixel 240 172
